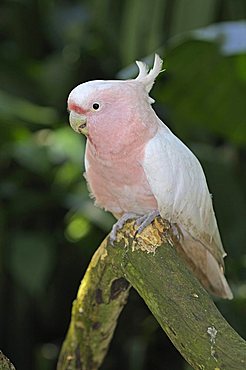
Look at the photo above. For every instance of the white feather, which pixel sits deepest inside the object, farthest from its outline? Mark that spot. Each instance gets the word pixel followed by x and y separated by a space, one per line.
pixel 148 78
pixel 179 186
pixel 143 70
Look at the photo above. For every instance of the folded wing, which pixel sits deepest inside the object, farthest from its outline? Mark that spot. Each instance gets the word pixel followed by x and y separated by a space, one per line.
pixel 179 185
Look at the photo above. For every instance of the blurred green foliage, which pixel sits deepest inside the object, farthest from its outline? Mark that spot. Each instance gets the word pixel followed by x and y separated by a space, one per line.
pixel 49 227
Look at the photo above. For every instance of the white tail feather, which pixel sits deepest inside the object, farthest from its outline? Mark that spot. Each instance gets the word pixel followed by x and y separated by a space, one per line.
pixel 148 77
pixel 216 277
pixel 205 267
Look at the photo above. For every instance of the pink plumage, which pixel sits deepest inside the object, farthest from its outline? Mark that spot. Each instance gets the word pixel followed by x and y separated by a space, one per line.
pixel 136 166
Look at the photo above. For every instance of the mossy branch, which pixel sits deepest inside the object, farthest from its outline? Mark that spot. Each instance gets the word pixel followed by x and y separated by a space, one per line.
pixel 102 295
pixel 5 363
pixel 151 264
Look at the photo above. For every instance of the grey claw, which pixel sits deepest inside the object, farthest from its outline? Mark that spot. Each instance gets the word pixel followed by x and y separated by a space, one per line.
pixel 119 224
pixel 146 220
pixel 142 222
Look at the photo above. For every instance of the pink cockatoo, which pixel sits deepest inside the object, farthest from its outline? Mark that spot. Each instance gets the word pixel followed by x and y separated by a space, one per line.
pixel 137 168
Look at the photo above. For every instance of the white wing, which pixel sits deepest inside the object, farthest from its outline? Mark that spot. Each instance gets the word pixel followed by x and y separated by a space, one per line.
pixel 179 185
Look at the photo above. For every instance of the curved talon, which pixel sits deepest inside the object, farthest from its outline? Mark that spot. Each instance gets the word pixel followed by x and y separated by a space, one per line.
pixel 119 224
pixel 146 220
pixel 141 221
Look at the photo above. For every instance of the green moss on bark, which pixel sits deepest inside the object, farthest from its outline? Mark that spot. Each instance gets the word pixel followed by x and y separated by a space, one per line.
pixel 151 264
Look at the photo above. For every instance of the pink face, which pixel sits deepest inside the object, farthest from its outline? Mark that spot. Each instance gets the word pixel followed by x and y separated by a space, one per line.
pixel 109 113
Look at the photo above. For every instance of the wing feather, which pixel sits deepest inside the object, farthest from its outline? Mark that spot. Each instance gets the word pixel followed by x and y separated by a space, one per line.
pixel 179 185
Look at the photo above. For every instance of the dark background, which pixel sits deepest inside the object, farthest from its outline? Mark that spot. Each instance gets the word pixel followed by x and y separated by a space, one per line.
pixel 49 227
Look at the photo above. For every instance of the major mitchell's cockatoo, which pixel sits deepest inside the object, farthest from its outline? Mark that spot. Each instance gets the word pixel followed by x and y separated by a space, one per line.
pixel 137 168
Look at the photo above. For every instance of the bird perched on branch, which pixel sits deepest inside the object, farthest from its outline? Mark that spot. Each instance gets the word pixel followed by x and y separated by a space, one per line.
pixel 137 168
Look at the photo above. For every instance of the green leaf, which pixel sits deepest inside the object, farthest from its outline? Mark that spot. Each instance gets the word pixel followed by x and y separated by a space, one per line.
pixel 203 92
pixel 13 108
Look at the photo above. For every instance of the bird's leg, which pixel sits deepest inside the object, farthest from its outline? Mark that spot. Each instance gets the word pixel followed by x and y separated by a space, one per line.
pixel 146 220
pixel 119 224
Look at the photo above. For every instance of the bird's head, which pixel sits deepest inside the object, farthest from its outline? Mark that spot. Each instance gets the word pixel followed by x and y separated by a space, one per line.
pixel 109 109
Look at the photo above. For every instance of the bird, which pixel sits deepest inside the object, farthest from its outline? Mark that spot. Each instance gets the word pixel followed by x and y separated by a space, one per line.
pixel 136 168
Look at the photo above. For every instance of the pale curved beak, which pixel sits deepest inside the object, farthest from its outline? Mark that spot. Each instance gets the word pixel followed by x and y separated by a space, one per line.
pixel 78 123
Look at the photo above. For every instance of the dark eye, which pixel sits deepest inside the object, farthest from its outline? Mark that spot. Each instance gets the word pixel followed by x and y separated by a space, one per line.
pixel 96 106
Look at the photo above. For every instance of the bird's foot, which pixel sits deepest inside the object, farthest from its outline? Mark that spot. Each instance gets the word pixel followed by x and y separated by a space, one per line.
pixel 144 221
pixel 119 224
pixel 141 221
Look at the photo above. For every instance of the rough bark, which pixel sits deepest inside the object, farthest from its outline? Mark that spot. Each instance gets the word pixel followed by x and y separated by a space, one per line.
pixel 151 263
pixel 5 363
pixel 102 295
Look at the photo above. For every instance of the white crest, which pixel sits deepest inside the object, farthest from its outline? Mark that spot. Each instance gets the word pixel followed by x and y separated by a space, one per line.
pixel 148 77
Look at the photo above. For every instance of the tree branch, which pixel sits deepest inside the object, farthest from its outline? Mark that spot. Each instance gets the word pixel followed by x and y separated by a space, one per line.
pixel 101 297
pixel 5 363
pixel 151 264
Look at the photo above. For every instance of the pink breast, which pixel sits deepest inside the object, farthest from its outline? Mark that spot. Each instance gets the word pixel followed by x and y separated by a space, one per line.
pixel 119 184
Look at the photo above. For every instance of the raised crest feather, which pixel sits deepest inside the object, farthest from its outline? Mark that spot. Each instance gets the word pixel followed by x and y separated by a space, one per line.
pixel 148 77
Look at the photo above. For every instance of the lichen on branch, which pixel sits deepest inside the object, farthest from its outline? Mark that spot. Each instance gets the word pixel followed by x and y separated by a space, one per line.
pixel 152 263
pixel 5 363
